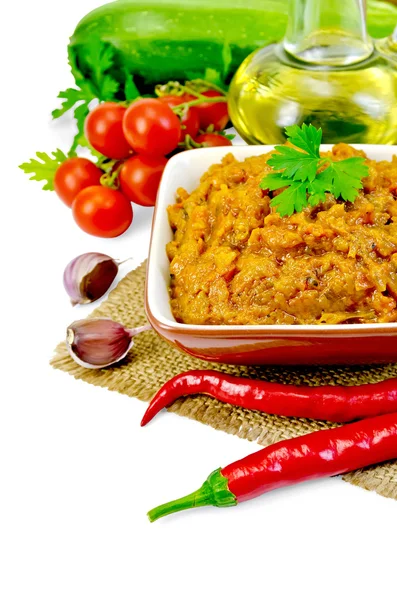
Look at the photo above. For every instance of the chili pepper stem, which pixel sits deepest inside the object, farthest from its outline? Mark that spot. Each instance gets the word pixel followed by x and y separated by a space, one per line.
pixel 193 500
pixel 213 492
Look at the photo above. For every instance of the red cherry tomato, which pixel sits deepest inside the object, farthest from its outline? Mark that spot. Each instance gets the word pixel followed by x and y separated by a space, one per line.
pixel 103 128
pixel 209 140
pixel 102 212
pixel 190 121
pixel 151 127
pixel 213 114
pixel 73 175
pixel 140 177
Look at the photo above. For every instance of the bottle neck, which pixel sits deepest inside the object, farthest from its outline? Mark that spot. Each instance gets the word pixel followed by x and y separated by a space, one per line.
pixel 328 32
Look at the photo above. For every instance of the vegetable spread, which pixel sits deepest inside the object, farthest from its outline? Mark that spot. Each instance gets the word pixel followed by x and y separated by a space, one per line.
pixel 234 260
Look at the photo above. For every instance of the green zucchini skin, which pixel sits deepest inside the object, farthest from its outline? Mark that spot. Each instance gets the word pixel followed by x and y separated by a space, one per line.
pixel 162 40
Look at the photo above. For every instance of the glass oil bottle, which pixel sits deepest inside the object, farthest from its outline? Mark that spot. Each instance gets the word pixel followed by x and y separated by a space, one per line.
pixel 327 71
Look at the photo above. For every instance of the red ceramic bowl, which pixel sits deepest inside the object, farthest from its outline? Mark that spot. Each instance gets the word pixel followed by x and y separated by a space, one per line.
pixel 251 344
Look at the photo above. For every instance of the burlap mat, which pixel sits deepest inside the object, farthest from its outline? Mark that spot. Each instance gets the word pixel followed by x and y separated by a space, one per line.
pixel 152 361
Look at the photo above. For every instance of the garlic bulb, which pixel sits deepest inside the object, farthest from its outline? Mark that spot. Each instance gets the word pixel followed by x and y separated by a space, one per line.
pixel 89 276
pixel 98 343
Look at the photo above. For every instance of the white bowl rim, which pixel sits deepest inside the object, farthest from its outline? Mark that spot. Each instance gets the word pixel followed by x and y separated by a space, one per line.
pixel 160 217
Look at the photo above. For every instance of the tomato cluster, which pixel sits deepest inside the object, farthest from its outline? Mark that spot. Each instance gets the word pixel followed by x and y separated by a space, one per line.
pixel 138 140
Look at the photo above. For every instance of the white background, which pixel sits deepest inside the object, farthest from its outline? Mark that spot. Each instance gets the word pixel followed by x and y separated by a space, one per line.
pixel 77 473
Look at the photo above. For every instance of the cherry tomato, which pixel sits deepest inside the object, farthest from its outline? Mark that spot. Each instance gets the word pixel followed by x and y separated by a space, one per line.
pixel 190 121
pixel 213 114
pixel 102 212
pixel 103 128
pixel 209 140
pixel 140 177
pixel 151 127
pixel 73 175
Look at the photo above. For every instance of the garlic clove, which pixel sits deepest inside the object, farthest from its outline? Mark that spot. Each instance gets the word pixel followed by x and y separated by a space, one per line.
pixel 99 343
pixel 89 276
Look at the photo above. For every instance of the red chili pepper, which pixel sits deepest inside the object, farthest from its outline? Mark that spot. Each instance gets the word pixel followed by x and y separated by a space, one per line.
pixel 320 454
pixel 329 403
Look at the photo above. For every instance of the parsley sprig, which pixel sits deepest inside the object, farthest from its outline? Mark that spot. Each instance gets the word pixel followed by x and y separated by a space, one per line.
pixel 102 75
pixel 100 86
pixel 43 167
pixel 306 176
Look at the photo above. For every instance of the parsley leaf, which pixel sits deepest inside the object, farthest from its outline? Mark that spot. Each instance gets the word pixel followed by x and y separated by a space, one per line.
pixel 307 137
pixel 345 177
pixel 99 86
pixel 227 58
pixel 215 77
pixel 274 181
pixel 301 164
pixel 80 114
pixel 99 58
pixel 71 97
pixel 44 168
pixel 296 164
pixel 293 199
pixel 318 188
pixel 131 92
pixel 299 172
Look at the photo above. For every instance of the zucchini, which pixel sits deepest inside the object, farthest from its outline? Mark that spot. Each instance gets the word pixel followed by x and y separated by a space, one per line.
pixel 161 40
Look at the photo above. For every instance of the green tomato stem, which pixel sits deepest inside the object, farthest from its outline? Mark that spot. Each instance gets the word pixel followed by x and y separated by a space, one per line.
pixel 177 89
pixel 208 85
pixel 110 177
pixel 180 108
pixel 189 143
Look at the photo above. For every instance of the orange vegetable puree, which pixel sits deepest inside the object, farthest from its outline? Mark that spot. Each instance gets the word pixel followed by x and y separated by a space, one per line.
pixel 234 260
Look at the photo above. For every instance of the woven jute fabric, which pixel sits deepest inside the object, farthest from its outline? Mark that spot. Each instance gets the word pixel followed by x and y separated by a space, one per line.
pixel 152 362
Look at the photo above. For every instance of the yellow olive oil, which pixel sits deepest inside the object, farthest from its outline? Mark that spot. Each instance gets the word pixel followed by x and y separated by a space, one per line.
pixel 351 104
pixel 326 71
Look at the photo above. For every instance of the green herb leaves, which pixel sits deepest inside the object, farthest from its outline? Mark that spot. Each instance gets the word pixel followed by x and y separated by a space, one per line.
pixel 296 165
pixel 306 176
pixel 98 84
pixel 307 137
pixel 44 168
pixel 293 199
pixel 345 177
